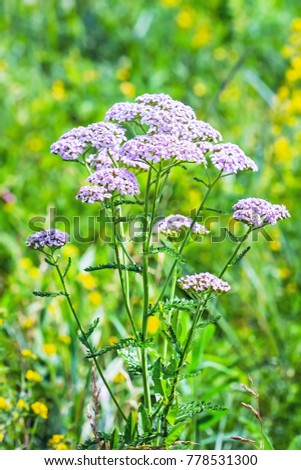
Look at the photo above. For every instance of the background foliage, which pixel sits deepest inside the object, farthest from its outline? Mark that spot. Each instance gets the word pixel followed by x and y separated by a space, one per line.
pixel 62 64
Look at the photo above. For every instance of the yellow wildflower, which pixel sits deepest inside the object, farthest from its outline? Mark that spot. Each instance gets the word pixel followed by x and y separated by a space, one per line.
pixel 65 339
pixel 55 439
pixel 33 376
pixel 170 3
pixel 128 89
pixel 87 280
pixel 22 405
pixel 296 25
pixel 70 250
pixel 275 245
pixel 34 272
pixel 199 89
pixel 291 287
pixel 61 446
pixel 40 409
pixel 35 144
pixel 185 18
pixel 25 263
pixel 283 93
pixel 5 405
pixel 28 323
pixel 49 349
pixel 58 90
pixel 113 340
pixel 202 36
pixel 122 74
pixel 282 149
pixel 220 53
pixel 91 75
pixel 153 325
pixel 95 298
pixel 1 436
pixel 284 272
pixel 119 377
pixel 28 354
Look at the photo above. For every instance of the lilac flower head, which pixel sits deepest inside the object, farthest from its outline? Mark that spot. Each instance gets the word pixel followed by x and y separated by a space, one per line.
pixel 123 112
pixel 200 131
pixel 92 194
pixel 174 224
pixel 101 159
pixel 112 179
pixel 99 135
pixel 203 282
pixel 230 159
pixel 155 148
pixel 258 212
pixel 53 238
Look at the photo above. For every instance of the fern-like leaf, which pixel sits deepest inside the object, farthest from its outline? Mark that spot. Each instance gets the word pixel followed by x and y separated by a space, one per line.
pixel 122 344
pixel 129 267
pixel 39 293
pixel 240 257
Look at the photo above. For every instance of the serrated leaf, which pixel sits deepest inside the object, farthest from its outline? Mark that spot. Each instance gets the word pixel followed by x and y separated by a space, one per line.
pixel 40 293
pixel 122 344
pixel 156 376
pixel 188 410
pixel 114 441
pixel 187 305
pixel 130 430
pixel 173 340
pixel 129 267
pixel 67 268
pixel 239 258
pixel 144 424
pixel 167 250
pixel 209 321
pixel 174 434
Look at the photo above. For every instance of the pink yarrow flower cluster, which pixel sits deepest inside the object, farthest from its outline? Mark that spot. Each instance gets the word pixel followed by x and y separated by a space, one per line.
pixel 53 238
pixel 174 224
pixel 230 159
pixel 203 282
pixel 257 212
pixel 107 181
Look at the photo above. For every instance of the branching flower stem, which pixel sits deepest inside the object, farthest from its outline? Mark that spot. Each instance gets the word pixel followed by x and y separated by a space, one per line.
pixel 87 342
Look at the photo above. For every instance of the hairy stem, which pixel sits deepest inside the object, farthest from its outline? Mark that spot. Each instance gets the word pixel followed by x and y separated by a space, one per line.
pixel 90 348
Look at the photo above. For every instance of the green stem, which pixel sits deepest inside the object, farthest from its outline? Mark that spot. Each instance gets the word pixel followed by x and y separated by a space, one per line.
pixel 86 339
pixel 124 283
pixel 147 398
pixel 209 189
pixel 243 239
pixel 172 296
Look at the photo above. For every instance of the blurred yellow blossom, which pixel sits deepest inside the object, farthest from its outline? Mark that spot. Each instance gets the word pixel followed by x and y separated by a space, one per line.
pixel 1 436
pixel 275 245
pixel 25 263
pixel 291 287
pixel 35 144
pixel 123 73
pixel 33 376
pixel 284 272
pixel 58 90
pixel 202 36
pixel 40 409
pixel 185 18
pixel 55 439
pixel 113 340
pixel 153 325
pixel 95 298
pixel 49 349
pixel 199 89
pixel 87 280
pixel 287 51
pixel 28 354
pixel 282 149
pixel 5 404
pixel 91 75
pixel 61 446
pixel 119 377
pixel 128 89
pixel 65 339
pixel 28 323
pixel 70 250
pixel 220 53
pixel 170 3
pixel 283 93
pixel 34 272
pixel 22 405
pixel 296 25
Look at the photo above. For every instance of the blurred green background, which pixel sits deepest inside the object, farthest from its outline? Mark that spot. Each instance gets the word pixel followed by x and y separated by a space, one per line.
pixel 63 64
